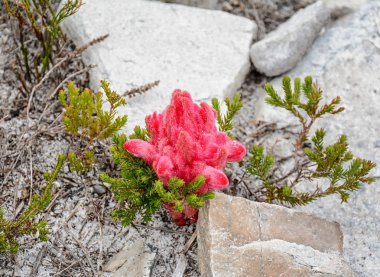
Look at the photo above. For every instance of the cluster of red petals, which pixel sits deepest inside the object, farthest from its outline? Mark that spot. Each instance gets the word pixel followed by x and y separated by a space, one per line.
pixel 185 143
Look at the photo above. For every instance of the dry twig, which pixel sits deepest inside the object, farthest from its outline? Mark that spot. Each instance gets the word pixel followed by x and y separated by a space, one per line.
pixel 141 89
pixel 37 263
pixel 66 268
pixel 85 251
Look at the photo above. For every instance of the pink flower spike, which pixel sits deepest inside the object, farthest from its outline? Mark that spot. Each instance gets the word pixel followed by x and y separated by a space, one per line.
pixel 236 151
pixel 215 179
pixel 164 168
pixel 185 143
pixel 187 149
pixel 141 149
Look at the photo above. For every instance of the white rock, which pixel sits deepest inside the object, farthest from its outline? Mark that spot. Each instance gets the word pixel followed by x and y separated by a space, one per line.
pixel 283 48
pixel 345 61
pixel 131 253
pixel 202 51
pixel 136 268
pixel 131 261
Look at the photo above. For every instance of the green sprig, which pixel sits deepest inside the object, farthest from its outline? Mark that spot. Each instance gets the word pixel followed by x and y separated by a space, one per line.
pixel 225 121
pixel 334 162
pixel 25 225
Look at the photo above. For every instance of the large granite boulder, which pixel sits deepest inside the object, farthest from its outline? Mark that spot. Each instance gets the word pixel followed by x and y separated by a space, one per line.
pixel 242 238
pixel 202 51
pixel 345 61
pixel 283 48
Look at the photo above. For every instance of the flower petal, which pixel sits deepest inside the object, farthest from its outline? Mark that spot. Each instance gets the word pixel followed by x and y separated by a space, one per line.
pixel 164 168
pixel 215 178
pixel 154 125
pixel 208 115
pixel 236 151
pixel 141 149
pixel 178 218
pixel 186 147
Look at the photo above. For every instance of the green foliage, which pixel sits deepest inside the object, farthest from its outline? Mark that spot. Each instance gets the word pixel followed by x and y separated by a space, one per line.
pixel 305 111
pixel 261 165
pixel 82 164
pixel 330 163
pixel 138 189
pixel 334 163
pixel 134 187
pixel 180 194
pixel 85 117
pixel 11 230
pixel 39 19
pixel 140 133
pixel 84 112
pixel 225 121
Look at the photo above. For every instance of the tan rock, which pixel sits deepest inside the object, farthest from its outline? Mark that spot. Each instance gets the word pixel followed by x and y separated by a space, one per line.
pixel 289 225
pixel 238 237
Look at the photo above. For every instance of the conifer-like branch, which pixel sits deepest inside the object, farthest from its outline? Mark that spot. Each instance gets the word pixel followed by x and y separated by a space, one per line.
pixel 225 121
pixel 141 89
pixel 43 22
pixel 134 187
pixel 324 162
pixel 306 112
pixel 85 117
pixel 181 194
pixel 12 230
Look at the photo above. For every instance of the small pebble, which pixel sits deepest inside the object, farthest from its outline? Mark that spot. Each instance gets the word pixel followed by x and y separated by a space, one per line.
pixel 377 144
pixel 57 184
pixel 99 189
pixel 227 7
pixel 307 145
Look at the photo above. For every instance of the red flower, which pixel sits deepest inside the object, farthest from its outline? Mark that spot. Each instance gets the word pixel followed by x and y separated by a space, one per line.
pixel 185 143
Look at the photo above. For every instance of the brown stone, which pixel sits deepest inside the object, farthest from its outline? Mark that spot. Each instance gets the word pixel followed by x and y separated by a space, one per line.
pixel 293 226
pixel 238 237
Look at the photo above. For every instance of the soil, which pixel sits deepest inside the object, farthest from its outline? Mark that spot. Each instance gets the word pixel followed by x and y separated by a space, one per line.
pixel 268 14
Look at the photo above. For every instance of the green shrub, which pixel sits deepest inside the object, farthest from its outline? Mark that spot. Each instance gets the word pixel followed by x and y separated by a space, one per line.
pixel 334 163
pixel 42 21
pixel 87 121
pixel 24 225
pixel 138 189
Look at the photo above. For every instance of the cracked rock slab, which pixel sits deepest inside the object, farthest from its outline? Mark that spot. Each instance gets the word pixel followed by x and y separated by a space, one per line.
pixel 202 51
pixel 284 47
pixel 131 261
pixel 132 252
pixel 238 237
